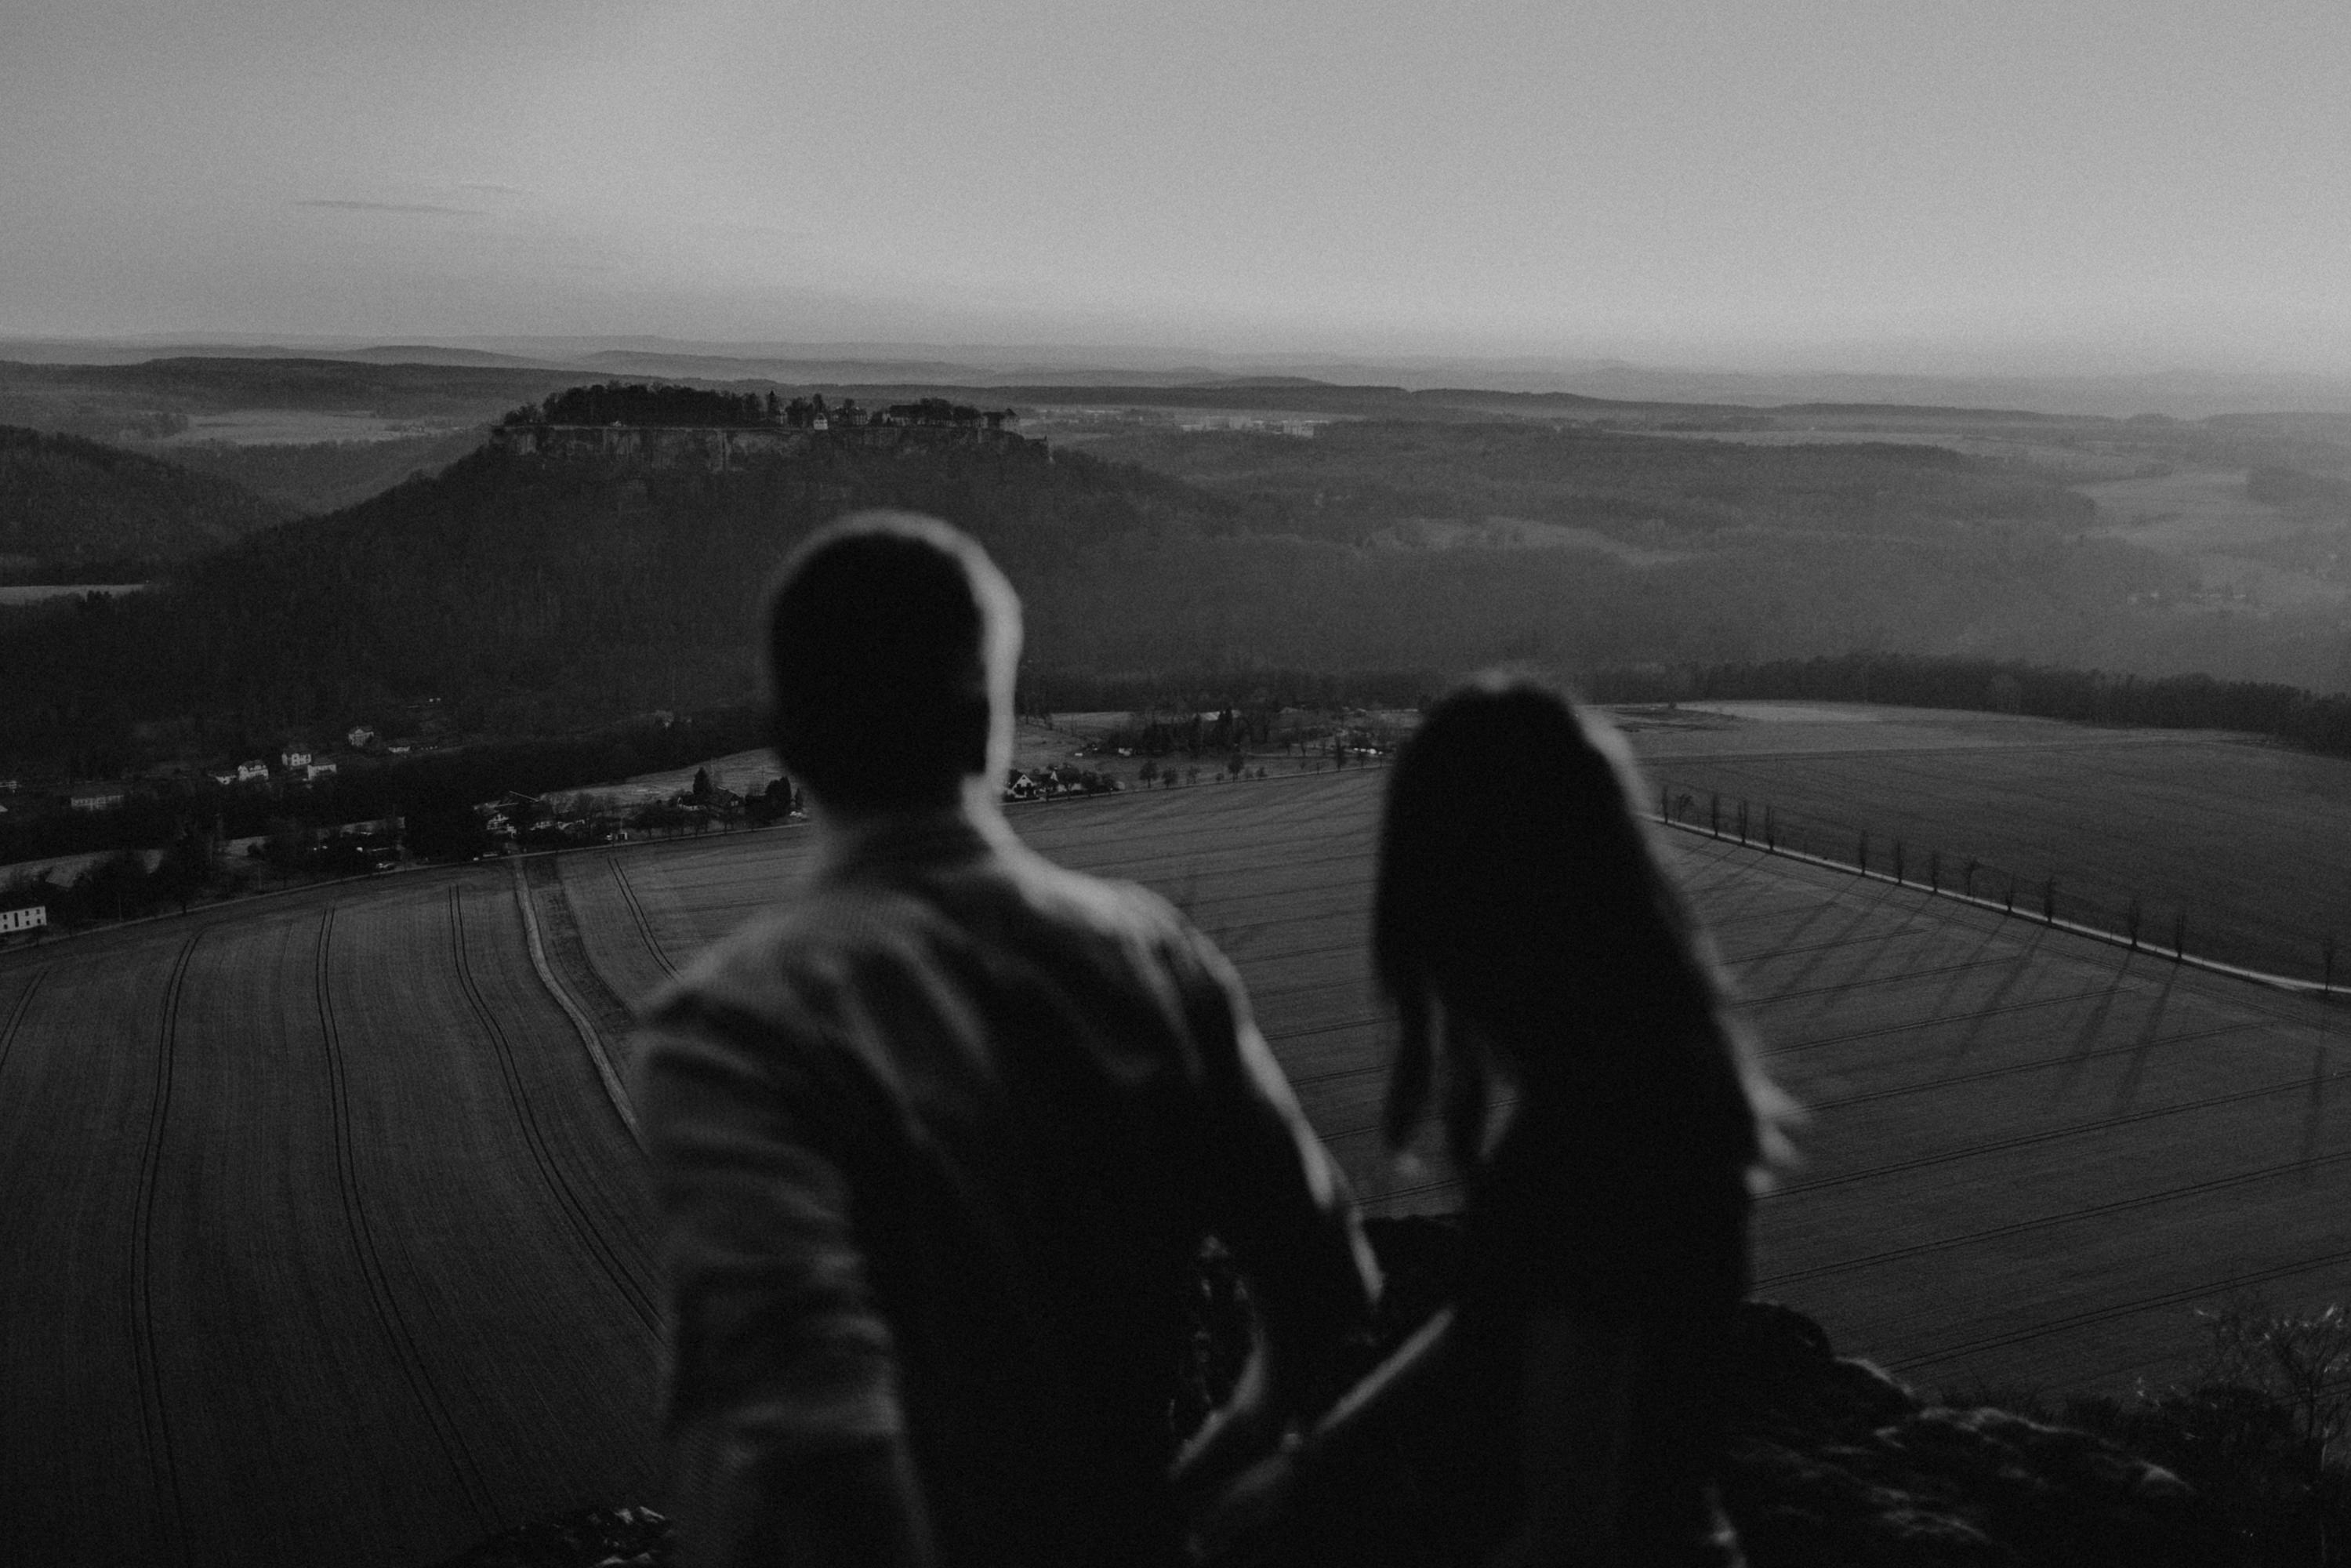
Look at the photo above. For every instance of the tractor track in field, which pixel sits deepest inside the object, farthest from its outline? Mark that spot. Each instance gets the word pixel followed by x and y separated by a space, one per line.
pixel 1849 1036
pixel 2272 1172
pixel 154 1419
pixel 381 1298
pixel 1161 867
pixel 2137 1049
pixel 637 914
pixel 2085 1128
pixel 634 1292
pixel 2315 1085
pixel 1313 805
pixel 16 1015
pixel 2097 1316
pixel 1127 870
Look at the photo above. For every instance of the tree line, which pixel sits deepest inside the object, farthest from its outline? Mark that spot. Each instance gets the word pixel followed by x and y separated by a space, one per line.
pixel 2314 721
pixel 661 404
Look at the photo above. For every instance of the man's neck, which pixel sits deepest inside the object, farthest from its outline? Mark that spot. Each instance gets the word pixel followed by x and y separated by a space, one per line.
pixel 846 832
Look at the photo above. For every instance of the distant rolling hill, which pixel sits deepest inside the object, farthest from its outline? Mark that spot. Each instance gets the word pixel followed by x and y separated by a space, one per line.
pixel 533 595
pixel 67 503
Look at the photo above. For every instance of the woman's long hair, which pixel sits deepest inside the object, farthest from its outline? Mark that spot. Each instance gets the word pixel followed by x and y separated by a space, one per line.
pixel 1518 894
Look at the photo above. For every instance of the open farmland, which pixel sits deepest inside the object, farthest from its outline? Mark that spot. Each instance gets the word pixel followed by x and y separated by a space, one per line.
pixel 323 1241
pixel 2251 842
pixel 326 1241
pixel 2207 518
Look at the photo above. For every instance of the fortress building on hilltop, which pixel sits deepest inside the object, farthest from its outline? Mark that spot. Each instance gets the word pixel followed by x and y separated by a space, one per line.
pixel 677 424
pixel 726 446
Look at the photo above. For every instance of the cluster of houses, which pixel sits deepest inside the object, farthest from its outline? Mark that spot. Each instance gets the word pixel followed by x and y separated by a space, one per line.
pixel 294 765
pixel 1055 783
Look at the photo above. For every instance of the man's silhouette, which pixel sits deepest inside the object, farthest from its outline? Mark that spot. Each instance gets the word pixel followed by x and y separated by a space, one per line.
pixel 937 1142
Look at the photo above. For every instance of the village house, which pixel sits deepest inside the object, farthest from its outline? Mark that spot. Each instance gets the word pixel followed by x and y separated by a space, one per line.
pixel 98 798
pixel 252 773
pixel 294 759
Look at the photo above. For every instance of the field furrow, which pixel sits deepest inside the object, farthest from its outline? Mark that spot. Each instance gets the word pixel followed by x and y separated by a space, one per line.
pixel 78 1105
pixel 470 1143
pixel 286 1367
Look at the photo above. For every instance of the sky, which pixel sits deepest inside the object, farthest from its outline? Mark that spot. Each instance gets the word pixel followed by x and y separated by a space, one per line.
pixel 1968 185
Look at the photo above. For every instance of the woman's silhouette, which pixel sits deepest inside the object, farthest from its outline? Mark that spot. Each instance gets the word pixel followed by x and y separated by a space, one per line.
pixel 1564 1014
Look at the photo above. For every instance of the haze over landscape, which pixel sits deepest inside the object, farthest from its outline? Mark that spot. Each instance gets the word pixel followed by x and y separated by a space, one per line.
pixel 1926 430
pixel 1970 189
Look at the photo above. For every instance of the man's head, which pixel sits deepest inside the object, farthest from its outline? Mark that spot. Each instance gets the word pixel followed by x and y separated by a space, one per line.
pixel 891 641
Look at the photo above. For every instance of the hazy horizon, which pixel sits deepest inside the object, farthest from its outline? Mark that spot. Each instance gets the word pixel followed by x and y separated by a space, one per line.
pixel 1825 186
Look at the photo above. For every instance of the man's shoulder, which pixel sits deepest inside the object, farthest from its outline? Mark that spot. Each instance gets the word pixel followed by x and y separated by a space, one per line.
pixel 765 966
pixel 1113 907
pixel 828 934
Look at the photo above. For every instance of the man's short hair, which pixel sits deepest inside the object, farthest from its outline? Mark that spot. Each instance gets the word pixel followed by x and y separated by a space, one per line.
pixel 891 641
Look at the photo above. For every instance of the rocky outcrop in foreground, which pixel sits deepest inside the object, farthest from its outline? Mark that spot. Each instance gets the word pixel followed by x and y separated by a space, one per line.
pixel 589 1538
pixel 1835 1465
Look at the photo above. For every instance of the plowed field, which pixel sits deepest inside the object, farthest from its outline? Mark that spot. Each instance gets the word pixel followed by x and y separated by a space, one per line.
pixel 325 1237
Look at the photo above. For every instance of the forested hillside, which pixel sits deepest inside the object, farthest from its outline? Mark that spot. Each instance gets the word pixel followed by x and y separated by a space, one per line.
pixel 533 596
pixel 1357 478
pixel 69 503
pixel 317 476
pixel 1723 549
